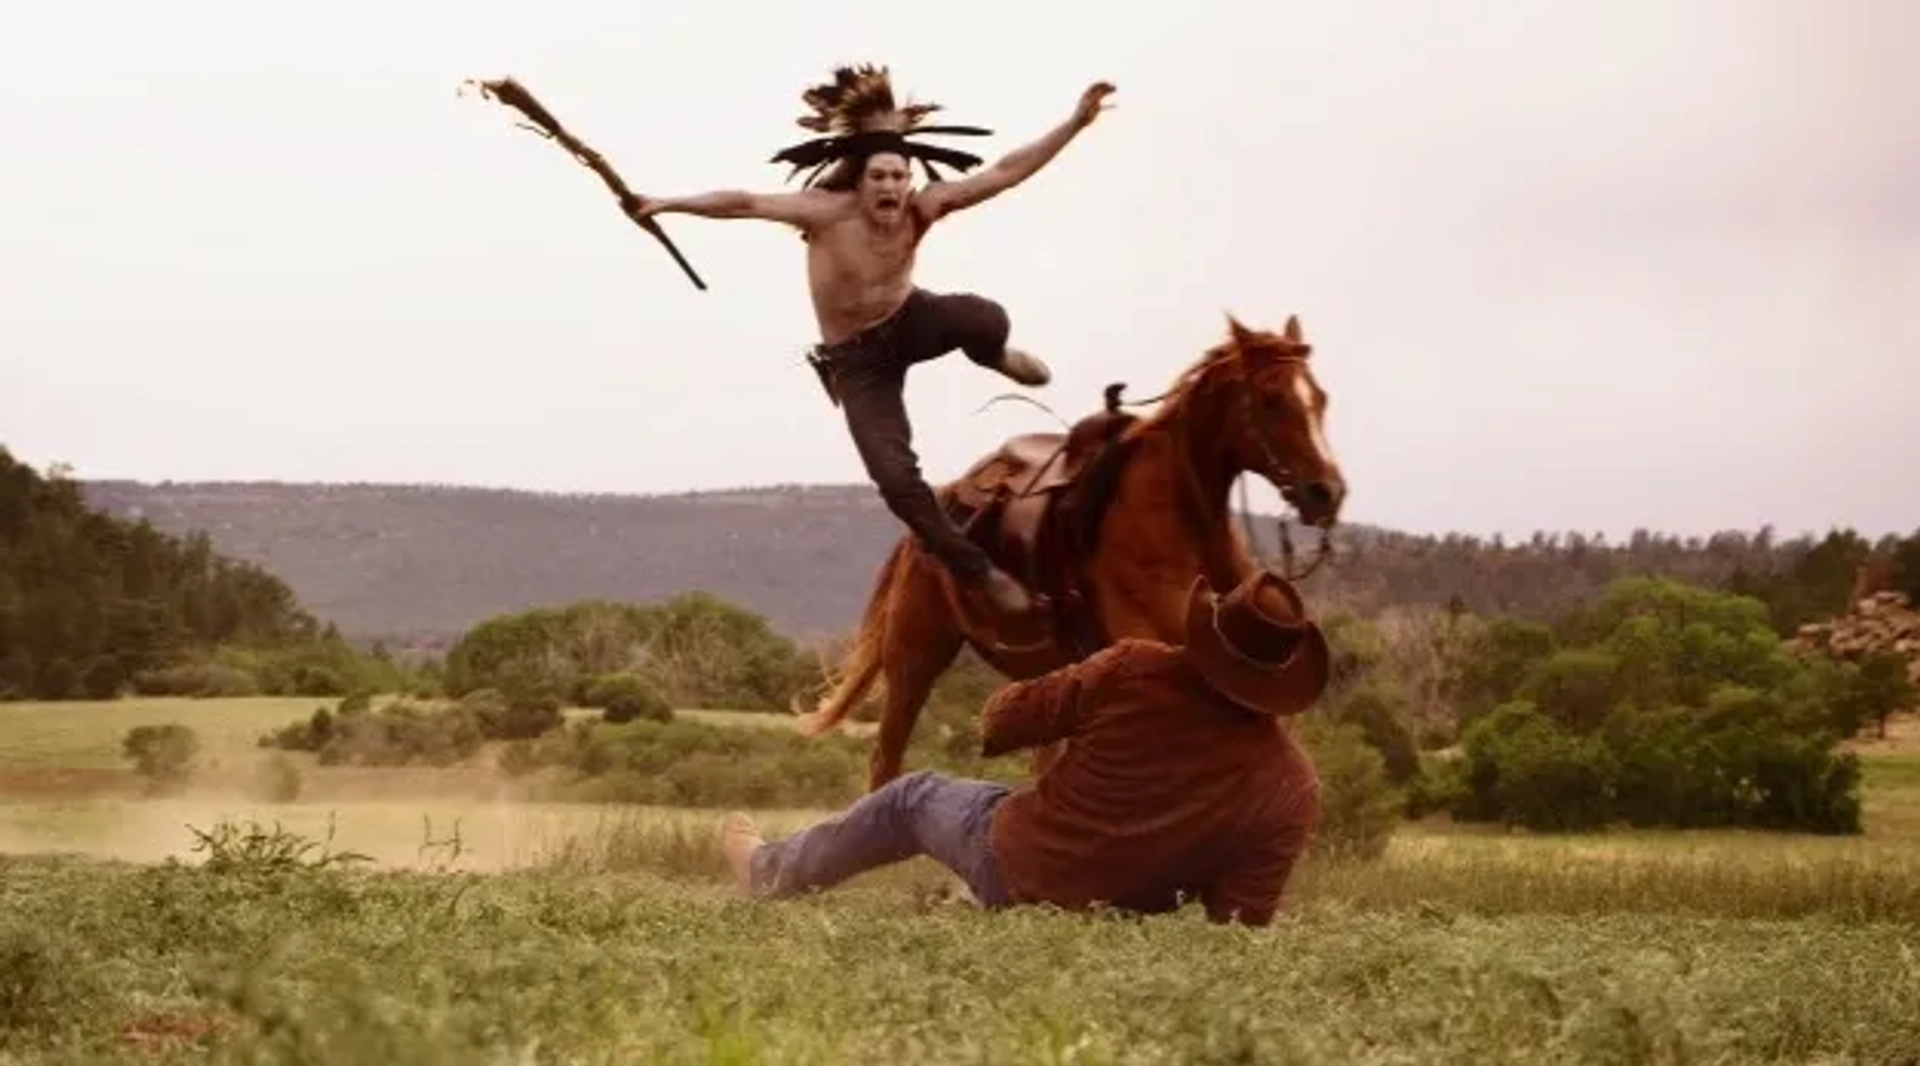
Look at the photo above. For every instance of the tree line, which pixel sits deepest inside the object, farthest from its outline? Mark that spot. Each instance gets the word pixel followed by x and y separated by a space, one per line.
pixel 804 558
pixel 1804 578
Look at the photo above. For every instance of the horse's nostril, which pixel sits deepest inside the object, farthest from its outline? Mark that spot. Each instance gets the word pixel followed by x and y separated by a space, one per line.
pixel 1322 494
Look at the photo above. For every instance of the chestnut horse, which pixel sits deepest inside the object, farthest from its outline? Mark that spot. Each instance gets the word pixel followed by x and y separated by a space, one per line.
pixel 1109 524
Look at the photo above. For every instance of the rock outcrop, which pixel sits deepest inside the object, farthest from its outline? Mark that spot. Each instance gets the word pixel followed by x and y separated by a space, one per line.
pixel 1883 621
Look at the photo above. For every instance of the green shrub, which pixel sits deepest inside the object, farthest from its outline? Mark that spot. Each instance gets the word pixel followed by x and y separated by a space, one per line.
pixel 1526 768
pixel 163 754
pixel 103 679
pixel 696 650
pixel 398 734
pixel 1381 718
pixel 1359 808
pixel 402 734
pixel 278 780
pixel 1865 692
pixel 523 714
pixel 626 698
pixel 1440 785
pixel 1659 705
pixel 693 764
pixel 199 680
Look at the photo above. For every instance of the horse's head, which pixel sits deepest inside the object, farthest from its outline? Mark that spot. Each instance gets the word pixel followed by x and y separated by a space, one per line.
pixel 1273 421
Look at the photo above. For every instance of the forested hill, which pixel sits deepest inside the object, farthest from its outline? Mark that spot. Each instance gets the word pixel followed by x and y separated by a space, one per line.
pixel 89 603
pixel 428 561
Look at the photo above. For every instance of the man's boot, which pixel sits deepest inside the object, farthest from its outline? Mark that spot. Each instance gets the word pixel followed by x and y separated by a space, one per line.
pixel 1023 367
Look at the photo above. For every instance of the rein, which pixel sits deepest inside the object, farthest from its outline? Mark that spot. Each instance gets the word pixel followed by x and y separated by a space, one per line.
pixel 1275 470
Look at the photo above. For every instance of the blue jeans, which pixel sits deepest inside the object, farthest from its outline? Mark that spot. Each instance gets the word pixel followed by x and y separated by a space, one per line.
pixel 947 819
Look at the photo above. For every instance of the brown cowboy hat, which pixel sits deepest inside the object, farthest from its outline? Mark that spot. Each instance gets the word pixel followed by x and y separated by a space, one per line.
pixel 1269 664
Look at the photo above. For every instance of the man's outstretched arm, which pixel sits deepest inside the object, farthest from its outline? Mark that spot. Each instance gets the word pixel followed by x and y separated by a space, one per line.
pixel 1051 707
pixel 804 210
pixel 1016 166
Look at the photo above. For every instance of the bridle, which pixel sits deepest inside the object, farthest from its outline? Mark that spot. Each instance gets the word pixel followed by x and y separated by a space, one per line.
pixel 1275 470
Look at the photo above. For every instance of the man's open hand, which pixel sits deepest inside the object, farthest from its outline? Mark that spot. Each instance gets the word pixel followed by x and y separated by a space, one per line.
pixel 1091 103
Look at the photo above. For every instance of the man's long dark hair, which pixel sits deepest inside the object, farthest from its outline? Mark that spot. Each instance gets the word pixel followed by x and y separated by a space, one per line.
pixel 858 118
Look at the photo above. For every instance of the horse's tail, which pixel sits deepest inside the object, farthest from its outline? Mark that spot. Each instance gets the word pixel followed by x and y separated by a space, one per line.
pixel 861 667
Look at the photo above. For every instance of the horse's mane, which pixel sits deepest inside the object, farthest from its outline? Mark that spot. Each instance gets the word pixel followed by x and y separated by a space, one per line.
pixel 1227 352
pixel 1173 402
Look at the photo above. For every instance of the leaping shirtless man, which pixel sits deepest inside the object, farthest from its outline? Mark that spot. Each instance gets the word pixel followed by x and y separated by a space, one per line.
pixel 863 223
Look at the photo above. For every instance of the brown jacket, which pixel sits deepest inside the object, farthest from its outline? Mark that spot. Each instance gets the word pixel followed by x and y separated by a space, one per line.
pixel 1164 789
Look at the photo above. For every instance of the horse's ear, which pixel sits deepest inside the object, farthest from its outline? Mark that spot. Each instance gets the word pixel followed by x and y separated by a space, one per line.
pixel 1240 333
pixel 1292 333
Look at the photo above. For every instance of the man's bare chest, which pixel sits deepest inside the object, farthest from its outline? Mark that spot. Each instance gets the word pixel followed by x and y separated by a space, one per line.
pixel 858 255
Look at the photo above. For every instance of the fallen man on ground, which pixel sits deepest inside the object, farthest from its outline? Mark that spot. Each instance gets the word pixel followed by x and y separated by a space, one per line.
pixel 1180 780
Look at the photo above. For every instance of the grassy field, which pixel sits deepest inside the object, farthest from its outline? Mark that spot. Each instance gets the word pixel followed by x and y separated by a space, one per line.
pixel 577 933
pixel 86 736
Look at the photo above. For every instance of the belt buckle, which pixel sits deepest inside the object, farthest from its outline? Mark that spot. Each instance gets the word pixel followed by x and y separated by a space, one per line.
pixel 823 367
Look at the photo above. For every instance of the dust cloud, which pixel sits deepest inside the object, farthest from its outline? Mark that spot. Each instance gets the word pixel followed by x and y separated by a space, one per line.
pixel 462 818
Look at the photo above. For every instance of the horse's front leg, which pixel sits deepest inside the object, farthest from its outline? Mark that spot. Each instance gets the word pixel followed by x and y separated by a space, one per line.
pixel 922 639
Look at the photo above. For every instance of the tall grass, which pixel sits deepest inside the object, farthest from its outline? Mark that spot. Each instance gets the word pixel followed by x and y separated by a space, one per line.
pixel 1720 875
pixel 611 934
pixel 256 959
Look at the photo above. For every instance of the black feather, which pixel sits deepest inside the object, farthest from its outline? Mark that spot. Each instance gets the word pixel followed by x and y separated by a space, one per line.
pixel 952 157
pixel 951 131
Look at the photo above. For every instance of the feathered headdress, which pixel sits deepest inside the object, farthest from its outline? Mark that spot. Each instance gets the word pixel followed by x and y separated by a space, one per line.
pixel 856 114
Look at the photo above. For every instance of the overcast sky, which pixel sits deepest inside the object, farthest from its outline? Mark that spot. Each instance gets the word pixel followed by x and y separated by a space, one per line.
pixel 1568 265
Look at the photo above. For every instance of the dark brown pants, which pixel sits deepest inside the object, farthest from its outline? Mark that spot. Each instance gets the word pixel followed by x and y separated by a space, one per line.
pixel 869 375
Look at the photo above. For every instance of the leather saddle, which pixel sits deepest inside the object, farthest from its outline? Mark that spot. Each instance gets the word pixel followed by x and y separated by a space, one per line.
pixel 1036 502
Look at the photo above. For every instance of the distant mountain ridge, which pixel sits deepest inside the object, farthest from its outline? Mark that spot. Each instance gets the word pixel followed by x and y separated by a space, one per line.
pixel 426 562
pixel 432 560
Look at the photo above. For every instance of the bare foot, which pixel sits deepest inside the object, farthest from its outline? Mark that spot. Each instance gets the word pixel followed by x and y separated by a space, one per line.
pixel 739 837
